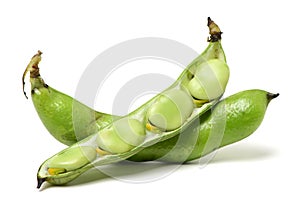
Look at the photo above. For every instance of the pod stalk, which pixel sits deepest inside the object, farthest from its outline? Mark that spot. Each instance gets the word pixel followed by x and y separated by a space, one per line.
pixel 214 31
pixel 33 68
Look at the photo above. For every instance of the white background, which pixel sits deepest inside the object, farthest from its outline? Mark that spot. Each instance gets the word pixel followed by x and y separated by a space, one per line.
pixel 258 176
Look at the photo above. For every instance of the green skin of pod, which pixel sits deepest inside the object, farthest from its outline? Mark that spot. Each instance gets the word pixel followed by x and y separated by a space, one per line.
pixel 63 116
pixel 231 120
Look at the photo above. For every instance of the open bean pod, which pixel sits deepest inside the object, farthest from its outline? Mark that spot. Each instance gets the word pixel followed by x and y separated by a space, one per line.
pixel 166 115
pixel 73 161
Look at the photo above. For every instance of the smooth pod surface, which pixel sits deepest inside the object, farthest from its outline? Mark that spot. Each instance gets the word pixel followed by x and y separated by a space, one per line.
pixel 65 122
pixel 65 118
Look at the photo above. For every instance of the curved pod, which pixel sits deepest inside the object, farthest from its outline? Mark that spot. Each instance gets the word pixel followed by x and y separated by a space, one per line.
pixel 102 145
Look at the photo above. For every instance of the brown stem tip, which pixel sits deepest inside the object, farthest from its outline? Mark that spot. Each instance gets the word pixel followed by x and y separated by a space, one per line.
pixel 214 31
pixel 33 68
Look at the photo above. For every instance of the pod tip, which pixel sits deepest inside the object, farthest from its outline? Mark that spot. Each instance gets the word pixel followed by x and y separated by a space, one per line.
pixel 271 96
pixel 40 181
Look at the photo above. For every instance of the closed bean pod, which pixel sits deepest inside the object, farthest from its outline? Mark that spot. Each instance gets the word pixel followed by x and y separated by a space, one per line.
pixel 66 119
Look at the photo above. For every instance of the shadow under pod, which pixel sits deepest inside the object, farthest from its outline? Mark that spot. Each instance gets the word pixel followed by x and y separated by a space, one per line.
pixel 243 152
pixel 127 171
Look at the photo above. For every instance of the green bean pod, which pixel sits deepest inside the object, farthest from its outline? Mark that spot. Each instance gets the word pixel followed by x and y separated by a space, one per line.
pixel 231 120
pixel 112 148
pixel 111 145
pixel 55 108
pixel 49 171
